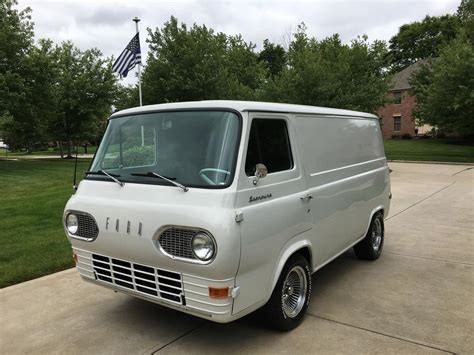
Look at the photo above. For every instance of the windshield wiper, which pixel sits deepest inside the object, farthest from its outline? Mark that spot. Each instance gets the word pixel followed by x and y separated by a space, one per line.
pixel 170 180
pixel 150 174
pixel 112 176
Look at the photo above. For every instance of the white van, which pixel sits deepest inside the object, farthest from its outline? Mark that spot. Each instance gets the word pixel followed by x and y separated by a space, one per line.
pixel 217 208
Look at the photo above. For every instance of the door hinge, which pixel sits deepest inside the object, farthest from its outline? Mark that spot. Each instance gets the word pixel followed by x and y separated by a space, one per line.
pixel 239 216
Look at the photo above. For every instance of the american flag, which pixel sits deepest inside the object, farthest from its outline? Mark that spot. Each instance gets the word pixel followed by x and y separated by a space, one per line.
pixel 130 57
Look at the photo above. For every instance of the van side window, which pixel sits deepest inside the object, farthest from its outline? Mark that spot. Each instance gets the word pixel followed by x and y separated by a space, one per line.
pixel 269 145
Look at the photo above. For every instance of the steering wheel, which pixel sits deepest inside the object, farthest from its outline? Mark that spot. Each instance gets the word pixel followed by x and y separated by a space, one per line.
pixel 202 174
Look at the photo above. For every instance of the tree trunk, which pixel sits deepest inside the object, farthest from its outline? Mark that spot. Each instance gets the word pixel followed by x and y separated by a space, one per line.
pixel 61 152
pixel 69 146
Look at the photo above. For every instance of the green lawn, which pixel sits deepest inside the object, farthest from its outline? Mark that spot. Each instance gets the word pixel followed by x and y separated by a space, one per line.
pixel 32 198
pixel 445 150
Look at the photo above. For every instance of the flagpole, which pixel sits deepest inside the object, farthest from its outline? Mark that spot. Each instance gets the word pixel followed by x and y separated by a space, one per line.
pixel 137 20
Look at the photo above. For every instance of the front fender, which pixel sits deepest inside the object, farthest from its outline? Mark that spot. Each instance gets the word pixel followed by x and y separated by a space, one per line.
pixel 293 245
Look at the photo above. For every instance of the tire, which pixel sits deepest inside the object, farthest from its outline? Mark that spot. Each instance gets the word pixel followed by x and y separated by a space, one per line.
pixel 370 248
pixel 287 306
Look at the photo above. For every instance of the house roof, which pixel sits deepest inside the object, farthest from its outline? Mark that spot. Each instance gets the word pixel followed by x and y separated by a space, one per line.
pixel 401 80
pixel 244 106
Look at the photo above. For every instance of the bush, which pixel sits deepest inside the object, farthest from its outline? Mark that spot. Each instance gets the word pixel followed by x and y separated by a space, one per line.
pixel 137 156
pixel 406 136
pixel 396 136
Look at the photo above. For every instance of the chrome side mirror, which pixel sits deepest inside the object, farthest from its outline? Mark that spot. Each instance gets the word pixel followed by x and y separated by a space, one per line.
pixel 260 172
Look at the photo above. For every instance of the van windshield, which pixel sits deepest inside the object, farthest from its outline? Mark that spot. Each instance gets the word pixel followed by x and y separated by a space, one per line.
pixel 193 148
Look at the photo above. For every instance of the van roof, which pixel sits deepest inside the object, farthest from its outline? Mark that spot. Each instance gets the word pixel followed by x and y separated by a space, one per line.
pixel 242 106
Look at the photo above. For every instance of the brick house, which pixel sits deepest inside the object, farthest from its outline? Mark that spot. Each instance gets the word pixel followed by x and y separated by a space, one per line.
pixel 397 115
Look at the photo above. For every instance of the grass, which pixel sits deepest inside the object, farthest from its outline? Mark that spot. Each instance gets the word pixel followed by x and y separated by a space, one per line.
pixel 443 150
pixel 32 198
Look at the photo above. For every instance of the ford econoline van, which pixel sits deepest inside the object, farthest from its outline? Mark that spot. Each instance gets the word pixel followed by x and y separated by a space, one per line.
pixel 220 208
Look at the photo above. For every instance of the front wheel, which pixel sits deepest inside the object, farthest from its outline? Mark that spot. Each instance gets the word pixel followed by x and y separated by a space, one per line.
pixel 371 246
pixel 290 298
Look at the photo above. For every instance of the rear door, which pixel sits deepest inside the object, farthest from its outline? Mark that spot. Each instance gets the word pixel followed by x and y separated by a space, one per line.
pixel 272 210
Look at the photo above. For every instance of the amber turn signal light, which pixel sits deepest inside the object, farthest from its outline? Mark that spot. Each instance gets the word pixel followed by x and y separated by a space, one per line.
pixel 218 292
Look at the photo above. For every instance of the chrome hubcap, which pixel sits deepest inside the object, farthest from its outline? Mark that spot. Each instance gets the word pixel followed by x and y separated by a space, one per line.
pixel 294 291
pixel 377 235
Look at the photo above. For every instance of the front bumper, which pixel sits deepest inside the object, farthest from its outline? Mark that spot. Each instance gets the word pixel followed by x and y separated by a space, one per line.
pixel 169 288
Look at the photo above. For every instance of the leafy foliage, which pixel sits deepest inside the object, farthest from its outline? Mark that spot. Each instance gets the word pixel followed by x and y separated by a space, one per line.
pixel 199 64
pixel 28 121
pixel 465 14
pixel 49 92
pixel 273 56
pixel 330 73
pixel 126 97
pixel 445 92
pixel 421 40
pixel 16 38
pixel 85 90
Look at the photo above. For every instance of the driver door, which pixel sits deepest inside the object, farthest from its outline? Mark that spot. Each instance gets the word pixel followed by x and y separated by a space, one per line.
pixel 271 206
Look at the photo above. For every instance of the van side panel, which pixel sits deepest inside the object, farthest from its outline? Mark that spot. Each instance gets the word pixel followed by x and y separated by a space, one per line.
pixel 347 175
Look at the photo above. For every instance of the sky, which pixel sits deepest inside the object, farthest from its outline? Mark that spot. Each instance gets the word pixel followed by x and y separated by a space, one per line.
pixel 108 25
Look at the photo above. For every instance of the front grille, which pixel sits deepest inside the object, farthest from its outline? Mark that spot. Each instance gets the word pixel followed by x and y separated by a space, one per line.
pixel 160 284
pixel 177 242
pixel 87 228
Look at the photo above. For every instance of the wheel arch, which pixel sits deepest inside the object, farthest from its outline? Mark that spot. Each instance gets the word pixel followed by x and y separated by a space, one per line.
pixel 372 214
pixel 301 247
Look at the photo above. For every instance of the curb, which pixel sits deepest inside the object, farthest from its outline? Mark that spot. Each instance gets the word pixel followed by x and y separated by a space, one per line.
pixel 430 162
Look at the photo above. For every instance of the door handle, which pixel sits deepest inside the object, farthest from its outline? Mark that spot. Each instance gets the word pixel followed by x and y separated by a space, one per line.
pixel 306 198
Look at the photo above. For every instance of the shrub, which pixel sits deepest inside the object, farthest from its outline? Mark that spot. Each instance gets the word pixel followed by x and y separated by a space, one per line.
pixel 137 156
pixel 396 136
pixel 406 136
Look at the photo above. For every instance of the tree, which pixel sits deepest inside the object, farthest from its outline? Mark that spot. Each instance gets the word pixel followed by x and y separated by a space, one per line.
pixel 196 63
pixel 27 123
pixel 273 56
pixel 445 92
pixel 16 39
pixel 330 73
pixel 421 40
pixel 126 97
pixel 85 90
pixel 465 14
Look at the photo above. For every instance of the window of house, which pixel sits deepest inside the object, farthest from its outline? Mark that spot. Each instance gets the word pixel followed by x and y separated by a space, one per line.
pixel 397 97
pixel 397 123
pixel 269 145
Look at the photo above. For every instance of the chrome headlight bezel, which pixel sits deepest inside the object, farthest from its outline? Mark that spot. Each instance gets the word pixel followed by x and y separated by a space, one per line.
pixel 203 246
pixel 71 223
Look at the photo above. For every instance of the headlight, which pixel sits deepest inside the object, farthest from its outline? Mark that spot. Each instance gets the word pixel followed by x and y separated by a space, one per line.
pixel 72 223
pixel 203 246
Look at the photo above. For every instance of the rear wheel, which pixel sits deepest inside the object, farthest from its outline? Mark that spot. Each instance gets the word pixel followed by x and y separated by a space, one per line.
pixel 290 298
pixel 371 246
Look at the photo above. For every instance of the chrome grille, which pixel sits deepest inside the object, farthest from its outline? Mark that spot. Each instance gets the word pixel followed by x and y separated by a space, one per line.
pixel 177 242
pixel 139 278
pixel 87 228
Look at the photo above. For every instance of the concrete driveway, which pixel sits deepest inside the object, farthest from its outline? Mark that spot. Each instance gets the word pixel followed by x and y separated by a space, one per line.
pixel 417 298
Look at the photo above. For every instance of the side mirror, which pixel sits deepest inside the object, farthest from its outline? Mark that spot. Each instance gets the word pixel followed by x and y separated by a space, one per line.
pixel 260 172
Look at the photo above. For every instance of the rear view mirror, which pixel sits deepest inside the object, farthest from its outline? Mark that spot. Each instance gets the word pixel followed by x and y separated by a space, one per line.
pixel 260 172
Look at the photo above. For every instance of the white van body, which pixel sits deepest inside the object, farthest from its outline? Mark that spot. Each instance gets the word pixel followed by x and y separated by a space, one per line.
pixel 321 205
